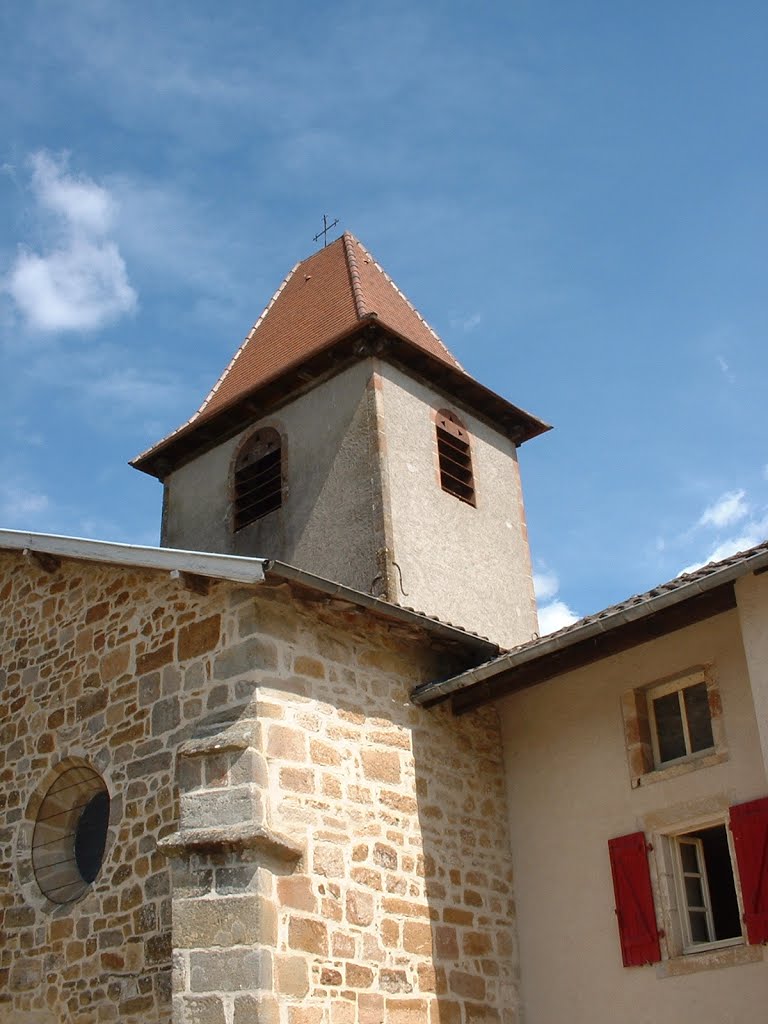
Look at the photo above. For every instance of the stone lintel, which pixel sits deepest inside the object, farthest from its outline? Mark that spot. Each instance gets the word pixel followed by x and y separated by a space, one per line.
pixel 233 837
pixel 207 745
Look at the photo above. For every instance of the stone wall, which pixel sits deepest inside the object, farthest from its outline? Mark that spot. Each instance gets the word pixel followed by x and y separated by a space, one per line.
pixel 104 667
pixel 329 853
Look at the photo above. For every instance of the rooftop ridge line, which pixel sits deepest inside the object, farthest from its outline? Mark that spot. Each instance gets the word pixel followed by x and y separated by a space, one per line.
pixel 451 357
pixel 354 275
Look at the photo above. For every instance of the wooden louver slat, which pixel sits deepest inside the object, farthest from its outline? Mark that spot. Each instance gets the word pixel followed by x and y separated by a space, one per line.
pixel 258 484
pixel 455 460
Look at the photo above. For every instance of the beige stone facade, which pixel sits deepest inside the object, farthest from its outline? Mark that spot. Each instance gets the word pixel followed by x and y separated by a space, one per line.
pixel 286 829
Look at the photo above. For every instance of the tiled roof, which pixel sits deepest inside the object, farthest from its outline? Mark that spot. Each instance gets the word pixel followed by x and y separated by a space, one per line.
pixel 324 297
pixel 548 649
pixel 319 309
pixel 683 580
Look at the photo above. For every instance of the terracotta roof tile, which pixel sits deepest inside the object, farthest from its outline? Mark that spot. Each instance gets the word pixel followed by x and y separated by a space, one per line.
pixel 704 571
pixel 324 301
pixel 323 298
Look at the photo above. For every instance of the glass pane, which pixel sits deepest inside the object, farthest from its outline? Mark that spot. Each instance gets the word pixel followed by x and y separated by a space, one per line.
pixel 688 856
pixel 694 897
pixel 697 713
pixel 669 727
pixel 699 932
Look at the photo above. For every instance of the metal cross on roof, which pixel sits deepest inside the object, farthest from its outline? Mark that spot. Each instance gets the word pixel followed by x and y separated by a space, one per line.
pixel 326 228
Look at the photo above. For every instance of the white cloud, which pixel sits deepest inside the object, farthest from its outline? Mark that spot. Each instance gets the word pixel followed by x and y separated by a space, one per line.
pixel 545 584
pixel 752 533
pixel 79 281
pixel 103 383
pixel 729 508
pixel 467 323
pixel 725 369
pixel 554 616
pixel 18 503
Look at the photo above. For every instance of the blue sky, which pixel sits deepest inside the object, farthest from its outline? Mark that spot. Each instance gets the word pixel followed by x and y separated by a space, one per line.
pixel 573 195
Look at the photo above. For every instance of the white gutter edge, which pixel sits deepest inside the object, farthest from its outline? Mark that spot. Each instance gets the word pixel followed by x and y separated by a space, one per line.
pixel 539 649
pixel 235 568
pixel 199 563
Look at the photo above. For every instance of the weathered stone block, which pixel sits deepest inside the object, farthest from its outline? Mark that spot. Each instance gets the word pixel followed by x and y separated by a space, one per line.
pixel 394 981
pixel 296 892
pixel 199 637
pixel 358 976
pixel 248 656
pixel 286 743
pixel 153 660
pixel 237 970
pixel 198 1010
pixel 256 1010
pixel 25 974
pixel 226 921
pixel 292 976
pixel 381 765
pixel 461 983
pixel 212 808
pixel 359 908
pixel 166 715
pixel 417 937
pixel 311 936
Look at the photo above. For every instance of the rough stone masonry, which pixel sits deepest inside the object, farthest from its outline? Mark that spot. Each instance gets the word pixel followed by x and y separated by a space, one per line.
pixel 290 840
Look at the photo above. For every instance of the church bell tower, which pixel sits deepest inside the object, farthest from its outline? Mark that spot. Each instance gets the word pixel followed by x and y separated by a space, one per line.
pixel 344 438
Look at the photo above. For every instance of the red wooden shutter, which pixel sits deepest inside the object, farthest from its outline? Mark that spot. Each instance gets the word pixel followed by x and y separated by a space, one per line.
pixel 635 912
pixel 749 824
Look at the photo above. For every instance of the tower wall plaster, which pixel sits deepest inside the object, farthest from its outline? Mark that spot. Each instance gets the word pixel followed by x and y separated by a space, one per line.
pixel 466 565
pixel 327 522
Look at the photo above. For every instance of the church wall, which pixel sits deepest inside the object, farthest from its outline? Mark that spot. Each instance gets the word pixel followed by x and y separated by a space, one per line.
pixel 466 565
pixel 569 772
pixel 98 666
pixel 354 865
pixel 396 905
pixel 326 523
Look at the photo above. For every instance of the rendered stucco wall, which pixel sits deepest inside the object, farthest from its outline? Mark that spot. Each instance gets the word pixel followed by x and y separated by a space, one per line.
pixel 752 601
pixel 466 565
pixel 326 523
pixel 569 792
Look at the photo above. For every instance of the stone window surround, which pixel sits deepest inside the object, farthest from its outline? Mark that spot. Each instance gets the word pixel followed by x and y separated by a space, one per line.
pixel 661 826
pixel 637 729
pixel 74 758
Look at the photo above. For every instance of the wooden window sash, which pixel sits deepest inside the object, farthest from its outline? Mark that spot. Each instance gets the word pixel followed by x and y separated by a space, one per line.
pixel 675 686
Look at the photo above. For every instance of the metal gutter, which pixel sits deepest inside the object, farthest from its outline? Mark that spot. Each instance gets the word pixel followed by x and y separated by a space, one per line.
pixel 198 563
pixel 235 568
pixel 428 692
pixel 443 630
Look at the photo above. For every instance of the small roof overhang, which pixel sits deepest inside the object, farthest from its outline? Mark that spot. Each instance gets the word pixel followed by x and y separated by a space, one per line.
pixel 204 432
pixel 689 598
pixel 189 566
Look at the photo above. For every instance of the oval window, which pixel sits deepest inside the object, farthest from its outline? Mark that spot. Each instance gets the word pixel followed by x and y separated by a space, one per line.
pixel 70 834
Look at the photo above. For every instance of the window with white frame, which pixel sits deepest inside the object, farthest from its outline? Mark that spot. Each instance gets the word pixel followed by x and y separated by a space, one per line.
pixel 680 720
pixel 707 903
pixel 711 888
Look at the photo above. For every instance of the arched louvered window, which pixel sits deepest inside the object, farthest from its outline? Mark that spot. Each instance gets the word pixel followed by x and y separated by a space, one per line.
pixel 454 457
pixel 258 478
